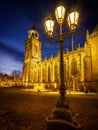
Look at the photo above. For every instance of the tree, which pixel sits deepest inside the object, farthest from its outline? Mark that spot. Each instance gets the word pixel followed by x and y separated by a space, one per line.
pixel 16 73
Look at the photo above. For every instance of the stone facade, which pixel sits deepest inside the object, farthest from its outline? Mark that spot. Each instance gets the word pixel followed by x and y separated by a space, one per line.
pixel 80 65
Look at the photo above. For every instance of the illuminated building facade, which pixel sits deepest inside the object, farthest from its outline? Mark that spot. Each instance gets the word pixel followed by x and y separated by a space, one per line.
pixel 80 65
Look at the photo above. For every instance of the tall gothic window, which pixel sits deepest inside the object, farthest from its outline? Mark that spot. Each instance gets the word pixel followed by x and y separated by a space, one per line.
pixel 65 71
pixel 55 72
pixel 49 73
pixel 34 75
pixel 43 74
pixel 74 67
pixel 85 68
pixel 36 48
pixel 38 74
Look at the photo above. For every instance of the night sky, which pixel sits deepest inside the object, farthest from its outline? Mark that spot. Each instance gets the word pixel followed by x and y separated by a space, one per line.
pixel 18 16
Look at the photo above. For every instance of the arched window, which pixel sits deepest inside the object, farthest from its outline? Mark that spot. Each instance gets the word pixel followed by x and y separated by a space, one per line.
pixel 33 34
pixel 36 35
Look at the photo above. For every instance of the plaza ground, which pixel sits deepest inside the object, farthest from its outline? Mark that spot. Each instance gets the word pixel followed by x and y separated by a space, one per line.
pixel 22 109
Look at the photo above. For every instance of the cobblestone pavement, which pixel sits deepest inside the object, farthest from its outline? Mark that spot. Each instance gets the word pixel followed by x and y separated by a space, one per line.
pixel 27 110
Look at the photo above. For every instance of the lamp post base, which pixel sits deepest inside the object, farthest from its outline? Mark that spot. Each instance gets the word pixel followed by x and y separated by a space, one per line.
pixel 63 118
pixel 61 124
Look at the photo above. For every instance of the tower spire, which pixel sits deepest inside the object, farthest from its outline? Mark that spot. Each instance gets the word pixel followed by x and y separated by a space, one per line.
pixel 87 34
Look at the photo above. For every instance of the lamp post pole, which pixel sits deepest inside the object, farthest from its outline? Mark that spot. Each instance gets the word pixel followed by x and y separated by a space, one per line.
pixel 62 113
pixel 73 60
pixel 62 84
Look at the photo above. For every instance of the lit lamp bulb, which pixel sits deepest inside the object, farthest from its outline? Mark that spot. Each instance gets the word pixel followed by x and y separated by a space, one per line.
pixel 49 26
pixel 72 20
pixel 59 14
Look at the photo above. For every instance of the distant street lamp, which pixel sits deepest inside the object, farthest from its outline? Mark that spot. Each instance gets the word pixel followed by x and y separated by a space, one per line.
pixel 62 110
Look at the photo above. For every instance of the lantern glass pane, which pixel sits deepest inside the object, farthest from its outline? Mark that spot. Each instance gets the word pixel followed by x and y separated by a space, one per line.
pixel 60 13
pixel 49 26
pixel 73 19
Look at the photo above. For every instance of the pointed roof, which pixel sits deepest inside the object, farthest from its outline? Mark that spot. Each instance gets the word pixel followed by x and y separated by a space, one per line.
pixel 96 29
pixel 95 32
pixel 33 27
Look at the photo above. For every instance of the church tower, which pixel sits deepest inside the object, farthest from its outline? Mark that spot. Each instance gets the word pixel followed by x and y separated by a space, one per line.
pixel 32 56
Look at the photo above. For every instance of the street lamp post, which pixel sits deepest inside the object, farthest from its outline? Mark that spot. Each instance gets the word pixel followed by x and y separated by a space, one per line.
pixel 62 112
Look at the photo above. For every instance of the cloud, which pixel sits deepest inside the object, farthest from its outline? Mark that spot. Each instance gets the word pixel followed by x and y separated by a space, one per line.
pixel 8 64
pixel 10 59
pixel 15 53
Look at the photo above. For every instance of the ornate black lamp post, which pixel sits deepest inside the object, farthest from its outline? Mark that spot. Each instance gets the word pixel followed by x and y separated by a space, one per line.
pixel 62 114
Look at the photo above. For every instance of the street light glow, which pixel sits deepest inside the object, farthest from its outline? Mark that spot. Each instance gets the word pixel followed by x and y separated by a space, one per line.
pixel 72 20
pixel 49 26
pixel 60 13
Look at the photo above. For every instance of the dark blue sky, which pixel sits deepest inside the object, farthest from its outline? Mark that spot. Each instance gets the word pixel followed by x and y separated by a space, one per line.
pixel 18 16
